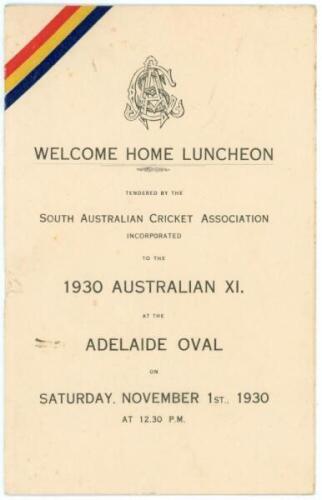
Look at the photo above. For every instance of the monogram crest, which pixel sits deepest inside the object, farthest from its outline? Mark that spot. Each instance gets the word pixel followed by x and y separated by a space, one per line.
pixel 148 97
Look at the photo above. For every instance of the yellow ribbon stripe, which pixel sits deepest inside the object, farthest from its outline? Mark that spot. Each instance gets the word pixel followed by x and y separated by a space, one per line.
pixel 40 54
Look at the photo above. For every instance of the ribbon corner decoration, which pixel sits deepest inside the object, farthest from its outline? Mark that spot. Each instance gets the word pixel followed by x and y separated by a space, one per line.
pixel 44 50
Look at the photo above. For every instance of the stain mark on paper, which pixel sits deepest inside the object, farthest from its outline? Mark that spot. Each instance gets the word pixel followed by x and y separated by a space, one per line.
pixel 13 285
pixel 43 343
pixel 94 65
pixel 212 93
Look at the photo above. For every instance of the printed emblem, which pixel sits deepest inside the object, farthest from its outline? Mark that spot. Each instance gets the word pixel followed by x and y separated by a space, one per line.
pixel 148 98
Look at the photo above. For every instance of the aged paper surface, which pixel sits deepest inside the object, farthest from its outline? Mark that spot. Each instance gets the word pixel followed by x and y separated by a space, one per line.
pixel 160 249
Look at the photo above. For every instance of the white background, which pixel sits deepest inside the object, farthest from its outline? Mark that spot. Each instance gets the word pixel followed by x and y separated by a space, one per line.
pixel 318 493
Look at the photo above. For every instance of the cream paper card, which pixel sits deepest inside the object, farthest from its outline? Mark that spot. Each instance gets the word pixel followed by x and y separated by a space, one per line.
pixel 160 187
